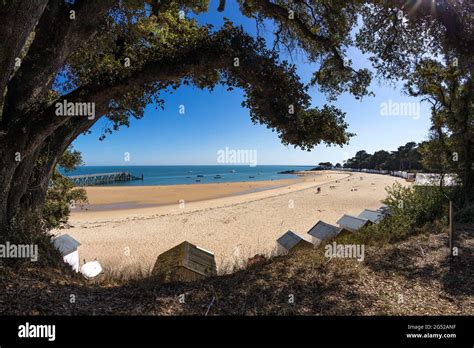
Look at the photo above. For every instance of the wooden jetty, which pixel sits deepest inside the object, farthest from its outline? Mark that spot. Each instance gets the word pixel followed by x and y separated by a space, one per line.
pixel 102 178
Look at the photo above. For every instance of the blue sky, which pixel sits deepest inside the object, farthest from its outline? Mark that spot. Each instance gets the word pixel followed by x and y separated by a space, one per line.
pixel 215 120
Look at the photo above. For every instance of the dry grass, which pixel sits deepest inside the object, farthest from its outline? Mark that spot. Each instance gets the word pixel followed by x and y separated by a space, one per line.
pixel 413 277
pixel 131 273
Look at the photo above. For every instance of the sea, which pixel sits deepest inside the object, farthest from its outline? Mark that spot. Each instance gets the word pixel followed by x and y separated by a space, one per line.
pixel 191 174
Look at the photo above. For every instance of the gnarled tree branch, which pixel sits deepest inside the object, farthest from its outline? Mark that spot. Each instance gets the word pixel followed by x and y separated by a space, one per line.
pixel 57 37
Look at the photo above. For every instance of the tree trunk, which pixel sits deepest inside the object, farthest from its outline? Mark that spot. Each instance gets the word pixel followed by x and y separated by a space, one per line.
pixel 468 179
pixel 17 21
pixel 16 175
pixel 26 182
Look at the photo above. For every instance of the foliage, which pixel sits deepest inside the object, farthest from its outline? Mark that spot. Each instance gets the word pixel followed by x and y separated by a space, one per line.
pixel 449 88
pixel 416 204
pixel 407 157
pixel 412 209
pixel 168 39
pixel 322 32
pixel 429 47
pixel 85 60
pixel 70 160
pixel 62 195
pixel 465 214
pixel 433 156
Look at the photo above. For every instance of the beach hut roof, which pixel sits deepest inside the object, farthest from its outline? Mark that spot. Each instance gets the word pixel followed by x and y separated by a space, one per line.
pixel 289 240
pixel 189 256
pixel 65 244
pixel 352 223
pixel 385 210
pixel 323 230
pixel 371 215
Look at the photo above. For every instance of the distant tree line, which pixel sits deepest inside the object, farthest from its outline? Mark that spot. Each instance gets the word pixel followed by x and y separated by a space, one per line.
pixel 325 164
pixel 406 158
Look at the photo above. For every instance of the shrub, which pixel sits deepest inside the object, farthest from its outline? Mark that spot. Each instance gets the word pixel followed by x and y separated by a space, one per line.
pixel 62 194
pixel 465 214
pixel 411 208
pixel 417 204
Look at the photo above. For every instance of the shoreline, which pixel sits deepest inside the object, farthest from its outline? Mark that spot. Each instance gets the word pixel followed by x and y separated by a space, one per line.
pixel 305 181
pixel 112 198
pixel 233 227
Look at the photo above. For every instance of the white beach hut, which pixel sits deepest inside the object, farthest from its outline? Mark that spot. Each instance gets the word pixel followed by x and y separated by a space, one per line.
pixel 322 231
pixel 290 241
pixel 429 179
pixel 67 246
pixel 352 223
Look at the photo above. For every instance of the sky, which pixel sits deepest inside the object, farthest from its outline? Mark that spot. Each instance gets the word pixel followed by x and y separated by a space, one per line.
pixel 214 121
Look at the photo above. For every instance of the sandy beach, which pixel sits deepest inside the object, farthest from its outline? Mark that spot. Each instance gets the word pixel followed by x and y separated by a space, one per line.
pixel 128 227
pixel 106 198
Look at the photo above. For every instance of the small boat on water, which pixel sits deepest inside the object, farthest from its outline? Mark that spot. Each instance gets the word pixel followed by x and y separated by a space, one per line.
pixel 232 171
pixel 217 176
pixel 200 176
pixel 251 177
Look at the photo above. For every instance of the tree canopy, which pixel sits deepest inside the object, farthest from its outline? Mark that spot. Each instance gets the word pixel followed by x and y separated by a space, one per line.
pixel 406 157
pixel 122 55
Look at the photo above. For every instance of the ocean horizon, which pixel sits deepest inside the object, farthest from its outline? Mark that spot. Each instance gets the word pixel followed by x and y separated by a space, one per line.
pixel 191 174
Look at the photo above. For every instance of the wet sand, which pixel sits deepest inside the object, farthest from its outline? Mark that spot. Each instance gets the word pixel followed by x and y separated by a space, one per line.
pixel 104 198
